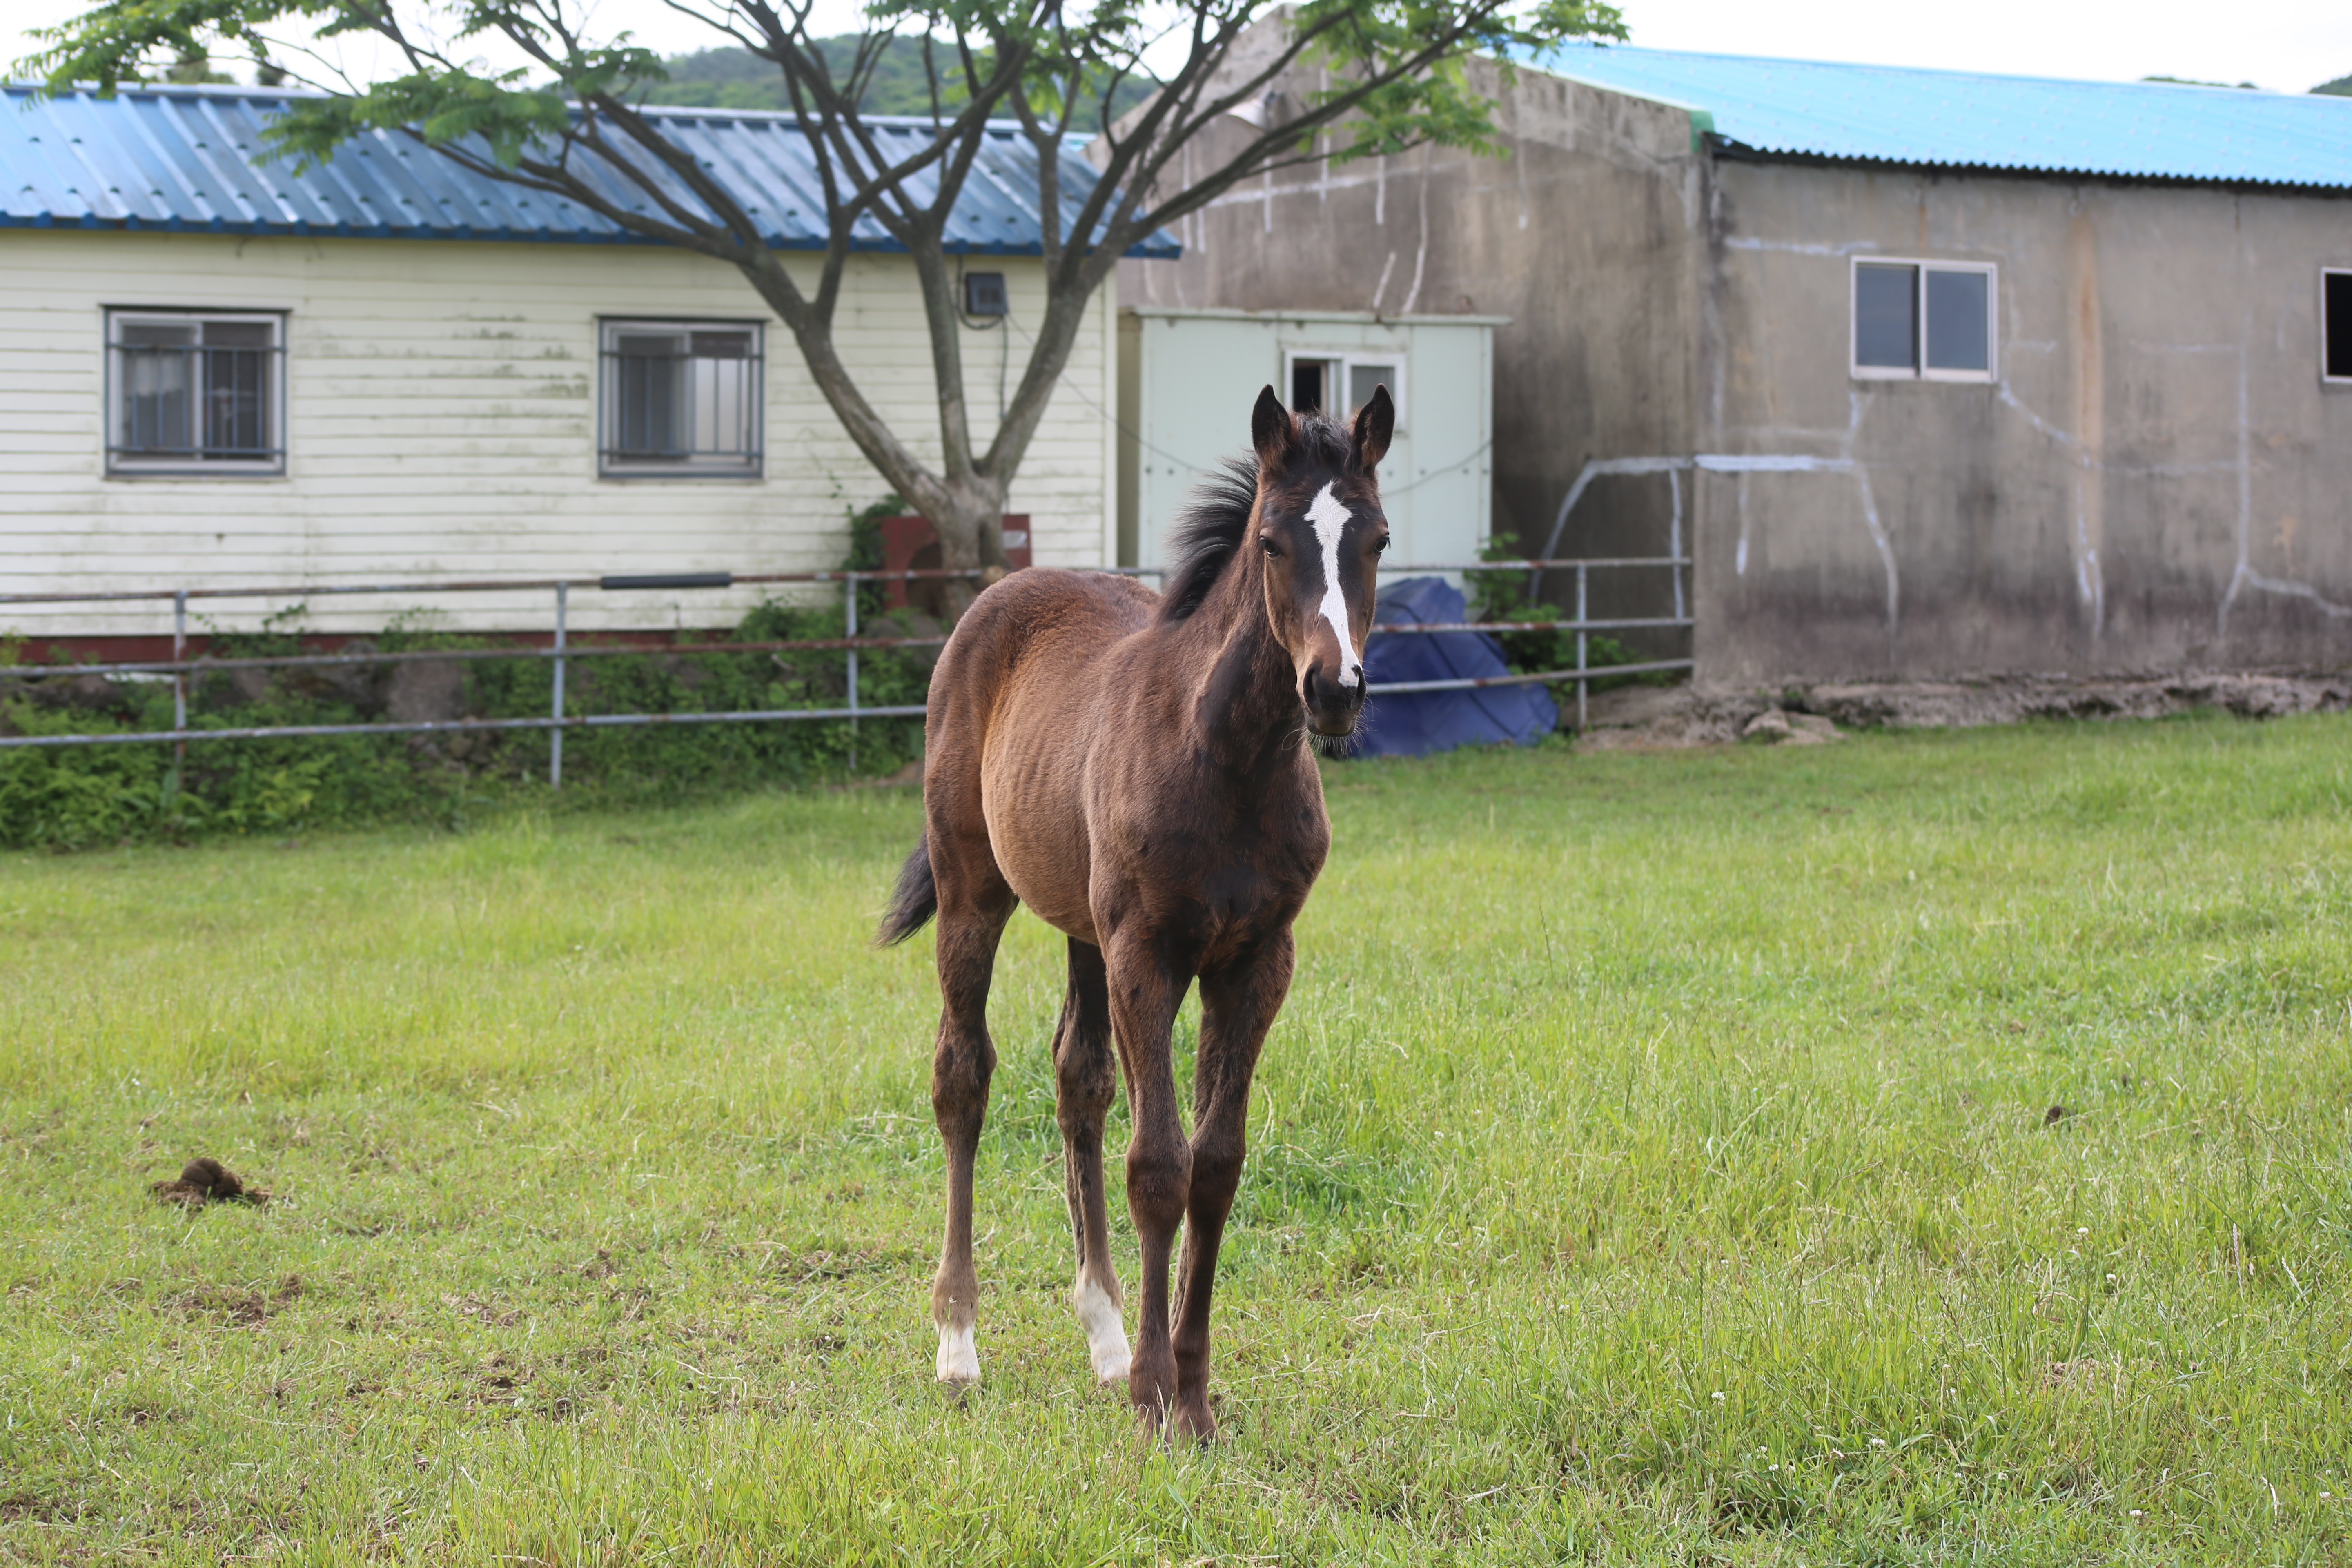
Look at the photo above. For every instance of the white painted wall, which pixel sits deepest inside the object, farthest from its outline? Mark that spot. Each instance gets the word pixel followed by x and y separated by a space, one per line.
pixel 1200 374
pixel 441 423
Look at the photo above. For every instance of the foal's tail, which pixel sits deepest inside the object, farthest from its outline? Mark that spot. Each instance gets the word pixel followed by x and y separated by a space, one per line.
pixel 916 900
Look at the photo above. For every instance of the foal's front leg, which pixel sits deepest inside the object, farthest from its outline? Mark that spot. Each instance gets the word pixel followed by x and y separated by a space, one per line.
pixel 1238 1001
pixel 1147 983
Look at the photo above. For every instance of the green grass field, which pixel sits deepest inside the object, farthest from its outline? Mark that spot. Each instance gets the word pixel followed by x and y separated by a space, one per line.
pixel 1653 1164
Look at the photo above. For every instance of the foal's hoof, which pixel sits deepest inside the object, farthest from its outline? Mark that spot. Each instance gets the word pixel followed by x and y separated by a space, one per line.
pixel 1186 1424
pixel 1191 1419
pixel 959 1362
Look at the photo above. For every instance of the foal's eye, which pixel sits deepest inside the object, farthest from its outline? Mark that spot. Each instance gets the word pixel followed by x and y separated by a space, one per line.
pixel 1267 540
pixel 1380 545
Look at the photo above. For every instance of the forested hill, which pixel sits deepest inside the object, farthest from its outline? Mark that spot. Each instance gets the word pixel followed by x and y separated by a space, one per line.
pixel 737 78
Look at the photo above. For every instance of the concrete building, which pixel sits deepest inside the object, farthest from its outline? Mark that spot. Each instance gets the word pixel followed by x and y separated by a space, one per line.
pixel 216 370
pixel 1933 373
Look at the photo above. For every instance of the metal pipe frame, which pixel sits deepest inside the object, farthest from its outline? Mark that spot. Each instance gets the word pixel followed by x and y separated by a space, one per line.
pixel 724 580
pixel 562 652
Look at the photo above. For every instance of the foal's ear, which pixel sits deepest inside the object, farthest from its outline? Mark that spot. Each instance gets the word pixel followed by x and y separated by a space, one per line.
pixel 1375 424
pixel 1272 431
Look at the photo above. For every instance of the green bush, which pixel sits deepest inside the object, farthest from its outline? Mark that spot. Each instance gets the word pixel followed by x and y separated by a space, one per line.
pixel 1505 596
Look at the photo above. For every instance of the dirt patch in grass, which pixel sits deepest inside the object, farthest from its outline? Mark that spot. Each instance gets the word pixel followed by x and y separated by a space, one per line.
pixel 842 1263
pixel 205 1180
pixel 234 1304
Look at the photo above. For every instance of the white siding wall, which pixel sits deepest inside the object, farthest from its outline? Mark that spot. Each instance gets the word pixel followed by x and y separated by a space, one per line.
pixel 441 423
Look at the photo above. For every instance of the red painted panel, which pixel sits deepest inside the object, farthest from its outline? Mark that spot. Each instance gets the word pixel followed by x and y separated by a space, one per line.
pixel 909 543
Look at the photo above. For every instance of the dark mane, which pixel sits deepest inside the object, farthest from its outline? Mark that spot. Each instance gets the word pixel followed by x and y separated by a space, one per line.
pixel 1208 532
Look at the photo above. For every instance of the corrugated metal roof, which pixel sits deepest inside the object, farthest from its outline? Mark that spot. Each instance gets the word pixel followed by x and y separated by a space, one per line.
pixel 1960 120
pixel 192 158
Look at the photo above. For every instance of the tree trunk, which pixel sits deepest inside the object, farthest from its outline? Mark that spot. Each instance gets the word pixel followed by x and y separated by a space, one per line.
pixel 970 521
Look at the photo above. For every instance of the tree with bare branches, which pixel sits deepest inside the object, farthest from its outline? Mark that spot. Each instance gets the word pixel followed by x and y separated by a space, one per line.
pixel 566 115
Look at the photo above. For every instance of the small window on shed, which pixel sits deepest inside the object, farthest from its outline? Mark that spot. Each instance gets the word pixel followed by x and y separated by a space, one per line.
pixel 194 393
pixel 1930 321
pixel 1310 383
pixel 2336 324
pixel 1338 384
pixel 680 400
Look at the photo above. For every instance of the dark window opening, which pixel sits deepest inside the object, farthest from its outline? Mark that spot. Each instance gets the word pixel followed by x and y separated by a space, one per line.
pixel 1958 319
pixel 1338 385
pixel 1887 317
pixel 193 392
pixel 680 399
pixel 2336 315
pixel 983 294
pixel 1310 381
pixel 1931 319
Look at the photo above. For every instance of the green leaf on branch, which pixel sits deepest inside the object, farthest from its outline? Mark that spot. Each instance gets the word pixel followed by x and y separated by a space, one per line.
pixel 439 108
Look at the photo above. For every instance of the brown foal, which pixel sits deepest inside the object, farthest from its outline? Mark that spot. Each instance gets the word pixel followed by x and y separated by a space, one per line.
pixel 1135 768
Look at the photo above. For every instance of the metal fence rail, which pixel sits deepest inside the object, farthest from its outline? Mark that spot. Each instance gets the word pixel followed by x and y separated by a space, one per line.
pixel 562 652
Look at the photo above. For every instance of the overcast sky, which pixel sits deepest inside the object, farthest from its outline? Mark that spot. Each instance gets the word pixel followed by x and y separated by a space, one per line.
pixel 2287 44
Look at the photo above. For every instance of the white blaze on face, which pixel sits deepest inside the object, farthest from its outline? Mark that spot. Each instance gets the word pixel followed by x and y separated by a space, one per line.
pixel 1330 518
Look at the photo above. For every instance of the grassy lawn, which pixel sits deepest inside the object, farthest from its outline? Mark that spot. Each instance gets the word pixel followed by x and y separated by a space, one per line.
pixel 1656 1162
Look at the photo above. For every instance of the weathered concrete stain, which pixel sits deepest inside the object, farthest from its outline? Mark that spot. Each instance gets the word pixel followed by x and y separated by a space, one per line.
pixel 2090 418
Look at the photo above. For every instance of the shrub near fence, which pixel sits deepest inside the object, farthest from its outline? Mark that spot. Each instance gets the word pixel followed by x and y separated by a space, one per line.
pixel 81 796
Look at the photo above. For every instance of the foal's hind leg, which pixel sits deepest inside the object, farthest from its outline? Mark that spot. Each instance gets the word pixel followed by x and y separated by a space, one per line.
pixel 1085 1080
pixel 974 903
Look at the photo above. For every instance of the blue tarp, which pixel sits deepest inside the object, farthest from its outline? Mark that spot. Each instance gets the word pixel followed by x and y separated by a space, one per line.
pixel 1409 724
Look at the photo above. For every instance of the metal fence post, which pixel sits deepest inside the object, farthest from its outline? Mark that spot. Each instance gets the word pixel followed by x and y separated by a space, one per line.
pixel 1582 684
pixel 179 683
pixel 555 736
pixel 852 622
pixel 1674 565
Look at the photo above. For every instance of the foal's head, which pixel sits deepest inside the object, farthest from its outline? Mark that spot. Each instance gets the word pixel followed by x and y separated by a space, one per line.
pixel 1319 523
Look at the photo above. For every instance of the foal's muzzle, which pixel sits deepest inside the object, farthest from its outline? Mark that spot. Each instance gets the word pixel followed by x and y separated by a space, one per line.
pixel 1332 709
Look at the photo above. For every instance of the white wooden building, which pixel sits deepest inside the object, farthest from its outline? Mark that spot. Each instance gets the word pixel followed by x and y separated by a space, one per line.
pixel 215 373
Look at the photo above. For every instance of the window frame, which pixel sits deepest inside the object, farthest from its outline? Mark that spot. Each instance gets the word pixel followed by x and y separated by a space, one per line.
pixel 2326 377
pixel 1347 360
pixel 1919 370
pixel 754 464
pixel 121 462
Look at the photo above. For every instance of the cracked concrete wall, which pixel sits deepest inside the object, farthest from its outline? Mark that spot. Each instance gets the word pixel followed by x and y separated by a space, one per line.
pixel 2156 481
pixel 1586 235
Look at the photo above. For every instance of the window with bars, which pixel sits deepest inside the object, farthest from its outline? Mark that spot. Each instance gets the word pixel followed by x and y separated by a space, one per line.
pixel 682 399
pixel 194 392
pixel 1928 320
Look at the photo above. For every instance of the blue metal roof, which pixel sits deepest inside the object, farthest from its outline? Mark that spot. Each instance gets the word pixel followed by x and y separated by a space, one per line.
pixel 1894 114
pixel 192 158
